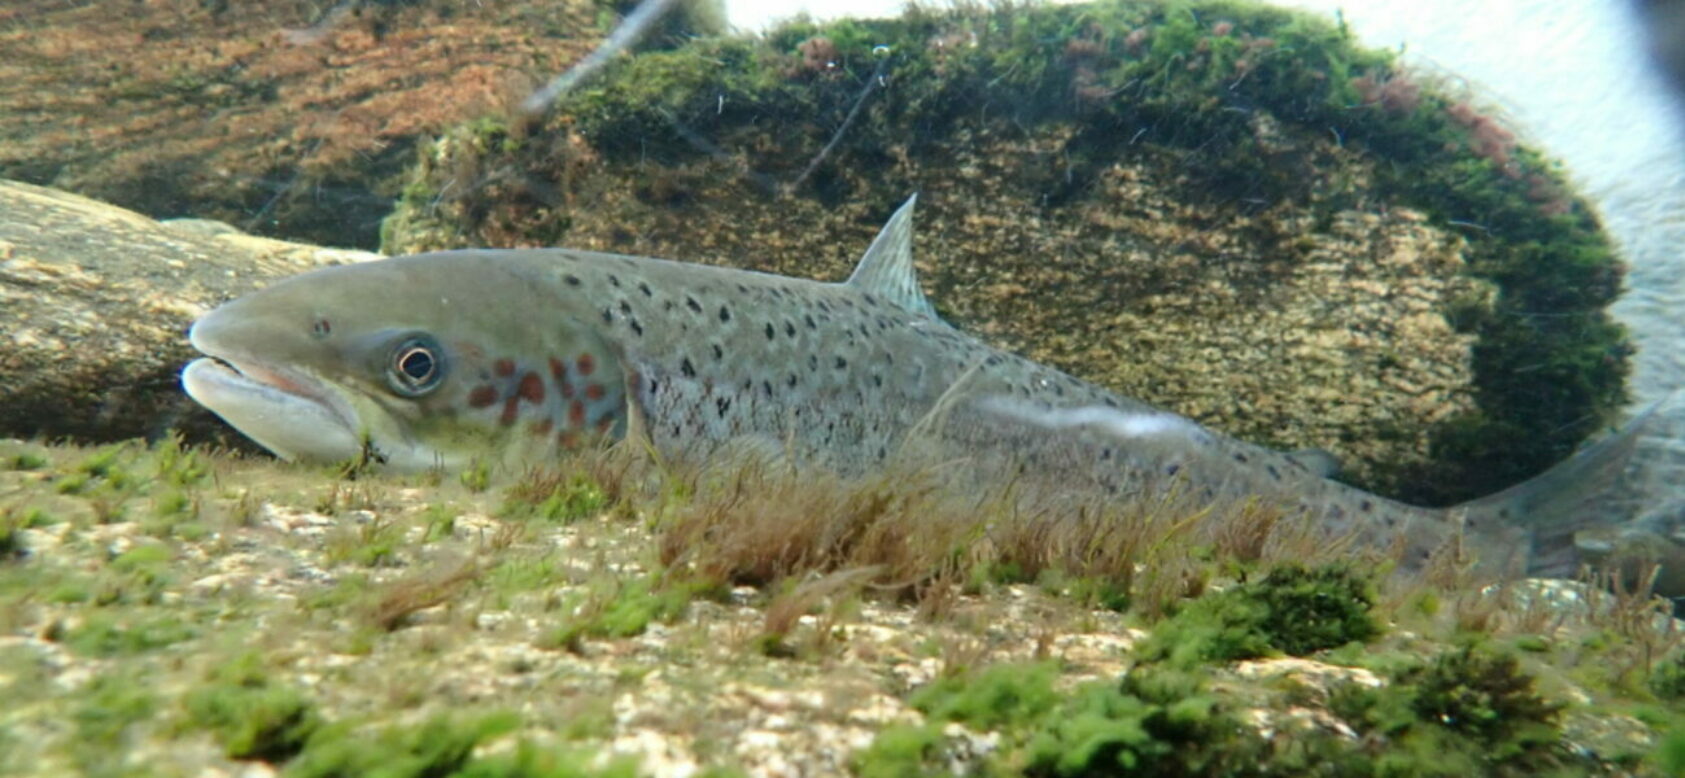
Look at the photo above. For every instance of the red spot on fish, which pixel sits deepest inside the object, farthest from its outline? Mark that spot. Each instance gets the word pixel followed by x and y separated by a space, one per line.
pixel 504 367
pixel 587 363
pixel 605 424
pixel 568 439
pixel 595 392
pixel 510 407
pixel 558 370
pixel 543 427
pixel 482 396
pixel 576 414
pixel 532 388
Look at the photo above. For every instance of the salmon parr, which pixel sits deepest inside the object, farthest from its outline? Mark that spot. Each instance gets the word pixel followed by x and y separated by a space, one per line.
pixel 436 360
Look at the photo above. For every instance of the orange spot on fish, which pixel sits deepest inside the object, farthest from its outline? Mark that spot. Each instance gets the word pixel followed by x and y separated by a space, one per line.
pixel 504 367
pixel 605 424
pixel 510 408
pixel 587 363
pixel 482 396
pixel 532 388
pixel 576 414
pixel 595 392
pixel 543 427
pixel 568 439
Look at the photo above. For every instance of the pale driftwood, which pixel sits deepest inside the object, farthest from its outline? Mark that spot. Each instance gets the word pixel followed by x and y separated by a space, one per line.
pixel 95 302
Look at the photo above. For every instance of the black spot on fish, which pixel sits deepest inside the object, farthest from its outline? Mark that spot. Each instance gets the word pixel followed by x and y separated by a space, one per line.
pixel 722 405
pixel 725 314
pixel 1274 473
pixel 882 453
pixel 992 361
pixel 676 430
pixel 869 299
pixel 654 387
pixel 572 280
pixel 742 289
pixel 841 363
pixel 612 279
pixel 637 329
pixel 809 319
pixel 1105 453
pixel 1239 457
pixel 1366 506
pixel 791 381
pixel 686 368
pixel 823 306
pixel 692 304
pixel 877 380
pixel 608 315
pixel 667 305
pixel 643 287
pixel 789 329
pixel 865 330
pixel 770 332
pixel 718 352
pixel 1172 469
pixel 766 386
pixel 625 307
pixel 812 362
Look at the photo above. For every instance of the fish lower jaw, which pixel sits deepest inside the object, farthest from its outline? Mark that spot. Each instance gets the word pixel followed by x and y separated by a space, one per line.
pixel 276 410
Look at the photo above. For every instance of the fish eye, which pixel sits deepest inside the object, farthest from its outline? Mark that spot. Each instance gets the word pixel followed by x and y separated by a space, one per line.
pixel 416 367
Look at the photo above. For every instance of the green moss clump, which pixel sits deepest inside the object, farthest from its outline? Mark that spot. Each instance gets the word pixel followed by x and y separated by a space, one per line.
pixel 1468 710
pixel 251 716
pixel 105 635
pixel 624 609
pixel 440 746
pixel 1293 610
pixel 1001 696
pixel 1667 679
pixel 1152 722
pixel 554 498
pixel 111 705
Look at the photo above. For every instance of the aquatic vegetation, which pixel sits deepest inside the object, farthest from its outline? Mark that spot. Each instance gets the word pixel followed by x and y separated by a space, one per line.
pixel 1292 610
pixel 251 715
pixel 620 609
pixel 1470 708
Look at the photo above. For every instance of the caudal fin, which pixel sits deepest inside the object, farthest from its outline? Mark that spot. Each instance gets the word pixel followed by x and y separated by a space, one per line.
pixel 1565 499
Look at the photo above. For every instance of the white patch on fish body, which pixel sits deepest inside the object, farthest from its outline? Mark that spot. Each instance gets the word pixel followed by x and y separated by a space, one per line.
pixel 1121 423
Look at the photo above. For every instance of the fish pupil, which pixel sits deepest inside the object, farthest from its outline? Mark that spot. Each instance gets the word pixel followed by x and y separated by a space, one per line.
pixel 417 363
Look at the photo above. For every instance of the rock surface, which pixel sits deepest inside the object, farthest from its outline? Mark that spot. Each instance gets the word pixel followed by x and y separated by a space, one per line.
pixel 290 118
pixel 97 300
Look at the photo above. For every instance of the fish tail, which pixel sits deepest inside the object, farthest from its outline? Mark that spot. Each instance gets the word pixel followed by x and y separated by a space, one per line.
pixel 1571 496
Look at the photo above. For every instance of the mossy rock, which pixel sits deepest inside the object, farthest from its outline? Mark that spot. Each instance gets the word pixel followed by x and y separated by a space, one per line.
pixel 1225 209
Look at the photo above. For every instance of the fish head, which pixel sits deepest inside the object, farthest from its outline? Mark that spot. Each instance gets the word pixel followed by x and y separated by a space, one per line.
pixel 432 361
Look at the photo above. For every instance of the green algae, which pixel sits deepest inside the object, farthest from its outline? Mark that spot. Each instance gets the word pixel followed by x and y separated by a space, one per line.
pixel 251 715
pixel 1292 610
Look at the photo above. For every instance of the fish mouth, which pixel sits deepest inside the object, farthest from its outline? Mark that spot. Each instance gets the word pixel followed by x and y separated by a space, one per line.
pixel 286 411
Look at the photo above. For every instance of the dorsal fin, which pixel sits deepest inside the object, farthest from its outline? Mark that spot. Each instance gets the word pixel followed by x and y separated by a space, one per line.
pixel 887 271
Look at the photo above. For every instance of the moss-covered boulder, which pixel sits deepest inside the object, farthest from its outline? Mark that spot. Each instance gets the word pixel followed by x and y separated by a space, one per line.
pixel 1225 209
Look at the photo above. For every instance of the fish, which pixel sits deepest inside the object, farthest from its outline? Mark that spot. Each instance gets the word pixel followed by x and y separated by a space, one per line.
pixel 515 356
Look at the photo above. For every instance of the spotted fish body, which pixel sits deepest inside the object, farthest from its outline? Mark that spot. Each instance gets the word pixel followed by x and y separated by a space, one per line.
pixel 438 359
